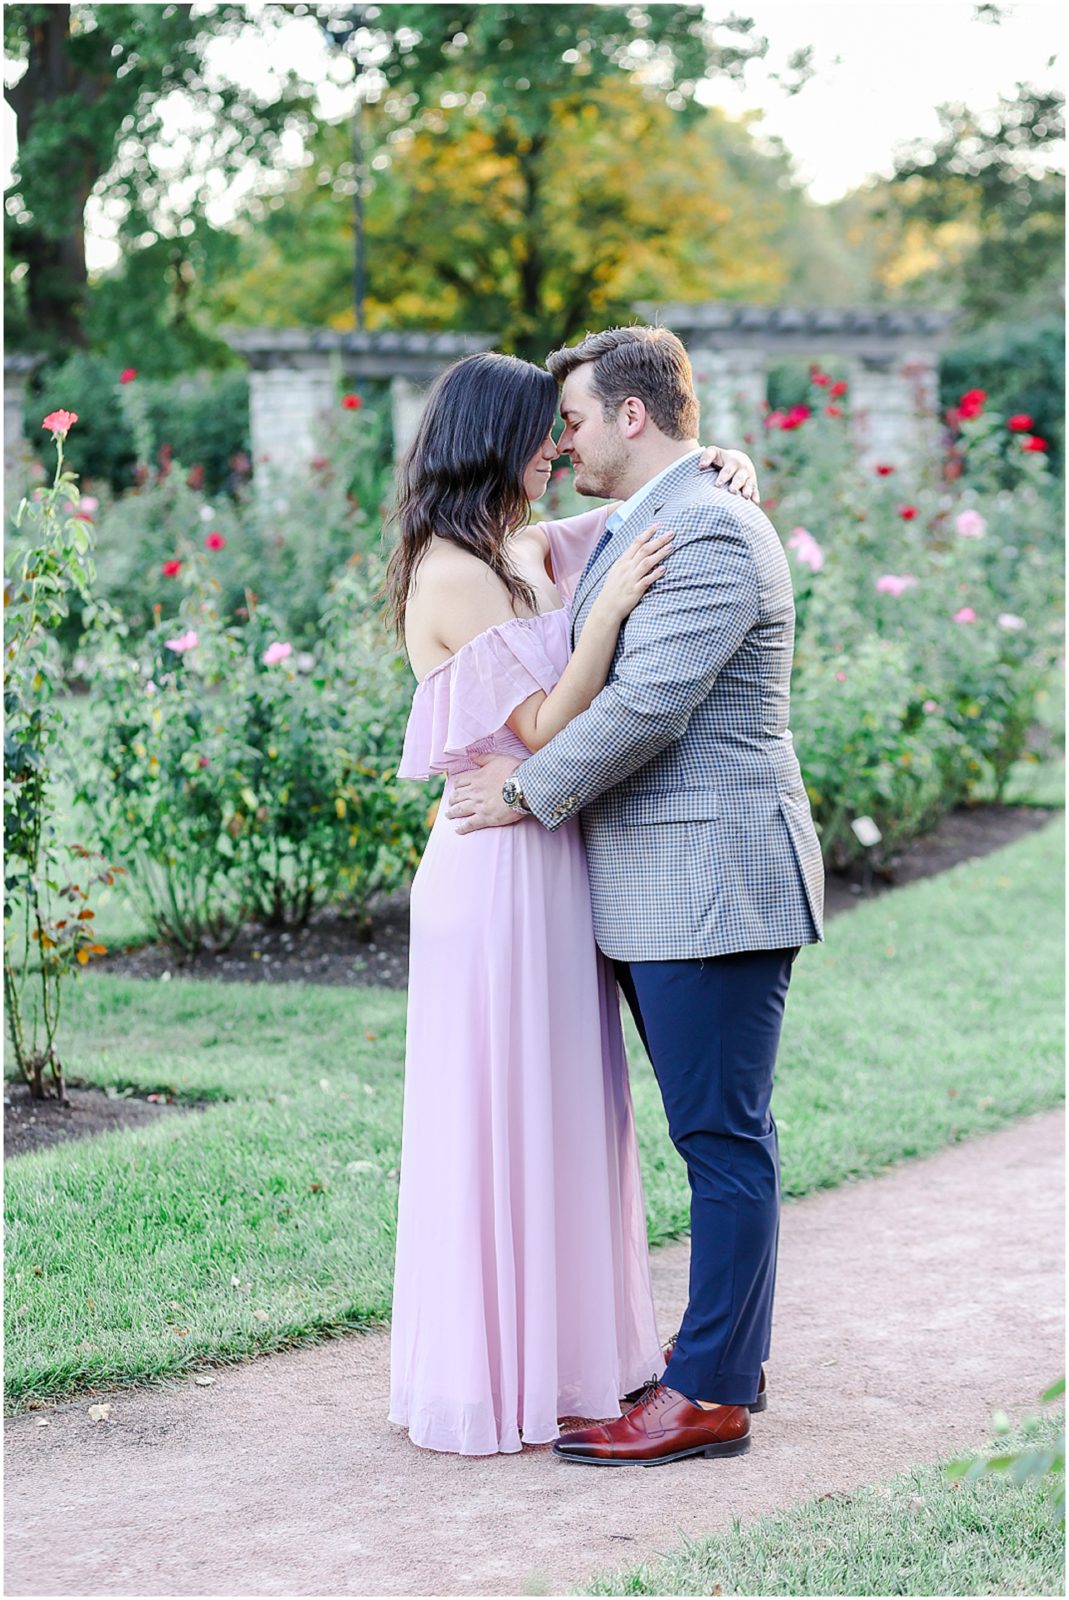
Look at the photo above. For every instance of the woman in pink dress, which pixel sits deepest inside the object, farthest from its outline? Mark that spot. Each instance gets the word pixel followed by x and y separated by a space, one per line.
pixel 521 1286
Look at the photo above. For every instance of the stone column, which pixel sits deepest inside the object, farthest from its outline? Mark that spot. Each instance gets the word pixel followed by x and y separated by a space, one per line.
pixel 895 406
pixel 17 370
pixel 731 388
pixel 407 399
pixel 286 406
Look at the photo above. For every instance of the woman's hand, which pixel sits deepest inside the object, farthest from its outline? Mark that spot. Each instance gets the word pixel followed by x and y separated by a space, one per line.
pixel 631 574
pixel 737 472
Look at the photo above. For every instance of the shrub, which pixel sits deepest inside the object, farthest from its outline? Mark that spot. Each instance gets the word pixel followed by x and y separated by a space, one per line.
pixel 48 922
pixel 239 778
pixel 928 618
pixel 202 422
pixel 282 537
pixel 1021 367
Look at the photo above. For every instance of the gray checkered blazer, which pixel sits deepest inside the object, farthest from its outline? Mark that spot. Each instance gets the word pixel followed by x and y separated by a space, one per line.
pixel 697 824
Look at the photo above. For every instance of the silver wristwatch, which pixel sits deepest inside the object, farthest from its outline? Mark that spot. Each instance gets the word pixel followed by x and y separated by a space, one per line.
pixel 512 795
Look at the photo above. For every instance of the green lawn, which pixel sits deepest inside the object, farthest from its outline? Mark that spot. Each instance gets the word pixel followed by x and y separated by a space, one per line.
pixel 919 1534
pixel 930 1015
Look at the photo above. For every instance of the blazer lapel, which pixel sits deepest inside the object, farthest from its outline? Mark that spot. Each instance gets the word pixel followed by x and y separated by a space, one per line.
pixel 643 514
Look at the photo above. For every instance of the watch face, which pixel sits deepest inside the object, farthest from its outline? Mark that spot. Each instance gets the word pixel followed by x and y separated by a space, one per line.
pixel 510 791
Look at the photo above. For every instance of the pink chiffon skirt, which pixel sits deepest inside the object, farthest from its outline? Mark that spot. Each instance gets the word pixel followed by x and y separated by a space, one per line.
pixel 522 1290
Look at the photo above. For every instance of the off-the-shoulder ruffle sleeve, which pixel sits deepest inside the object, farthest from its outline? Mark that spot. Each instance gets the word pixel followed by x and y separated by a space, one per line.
pixel 471 696
pixel 571 544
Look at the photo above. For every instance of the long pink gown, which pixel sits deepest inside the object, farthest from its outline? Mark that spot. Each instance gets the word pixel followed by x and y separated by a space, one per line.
pixel 521 1288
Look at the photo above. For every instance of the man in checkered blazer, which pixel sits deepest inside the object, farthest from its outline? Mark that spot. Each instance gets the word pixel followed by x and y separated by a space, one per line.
pixel 705 870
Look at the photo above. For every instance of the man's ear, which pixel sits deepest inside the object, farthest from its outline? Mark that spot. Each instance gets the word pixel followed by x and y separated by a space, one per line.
pixel 633 416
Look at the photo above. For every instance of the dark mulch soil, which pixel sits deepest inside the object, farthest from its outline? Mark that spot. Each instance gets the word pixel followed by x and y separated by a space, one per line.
pixel 336 950
pixel 37 1124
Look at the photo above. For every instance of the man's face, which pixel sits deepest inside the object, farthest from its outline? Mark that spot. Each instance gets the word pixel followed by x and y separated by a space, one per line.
pixel 596 444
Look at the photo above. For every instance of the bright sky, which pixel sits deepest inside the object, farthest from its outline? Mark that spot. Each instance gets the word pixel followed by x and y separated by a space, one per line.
pixel 882 68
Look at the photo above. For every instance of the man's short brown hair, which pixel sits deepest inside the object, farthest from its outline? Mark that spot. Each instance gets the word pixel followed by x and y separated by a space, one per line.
pixel 649 363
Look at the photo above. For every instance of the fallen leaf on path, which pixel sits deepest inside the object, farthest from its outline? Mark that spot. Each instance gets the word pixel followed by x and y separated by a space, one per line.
pixel 43 1422
pixel 203 1380
pixel 99 1413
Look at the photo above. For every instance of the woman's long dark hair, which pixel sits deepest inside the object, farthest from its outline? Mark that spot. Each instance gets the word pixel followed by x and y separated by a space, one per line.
pixel 462 478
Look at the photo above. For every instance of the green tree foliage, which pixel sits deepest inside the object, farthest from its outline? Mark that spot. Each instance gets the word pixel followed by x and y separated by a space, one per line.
pixel 462 233
pixel 90 106
pixel 991 204
pixel 535 168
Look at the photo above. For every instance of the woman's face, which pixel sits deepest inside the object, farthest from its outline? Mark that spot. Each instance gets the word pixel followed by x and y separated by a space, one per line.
pixel 538 469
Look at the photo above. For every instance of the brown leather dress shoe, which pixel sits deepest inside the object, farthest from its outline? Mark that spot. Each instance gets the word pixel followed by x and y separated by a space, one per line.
pixel 664 1426
pixel 760 1404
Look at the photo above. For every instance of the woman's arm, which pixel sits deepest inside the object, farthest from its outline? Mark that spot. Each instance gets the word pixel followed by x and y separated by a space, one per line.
pixel 542 716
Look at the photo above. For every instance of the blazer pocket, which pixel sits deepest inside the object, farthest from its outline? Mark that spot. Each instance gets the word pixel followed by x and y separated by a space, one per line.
pixel 669 805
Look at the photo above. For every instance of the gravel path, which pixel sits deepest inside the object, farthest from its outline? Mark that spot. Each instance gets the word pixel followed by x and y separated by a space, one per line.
pixel 909 1308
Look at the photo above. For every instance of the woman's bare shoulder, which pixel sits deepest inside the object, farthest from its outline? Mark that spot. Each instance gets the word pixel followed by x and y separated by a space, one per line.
pixel 446 566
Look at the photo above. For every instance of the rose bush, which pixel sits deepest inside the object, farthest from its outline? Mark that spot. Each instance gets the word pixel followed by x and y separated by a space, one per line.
pixel 242 779
pixel 48 878
pixel 279 535
pixel 929 616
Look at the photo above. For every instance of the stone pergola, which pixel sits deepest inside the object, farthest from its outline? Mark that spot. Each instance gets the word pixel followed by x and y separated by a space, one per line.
pixel 889 356
pixel 295 376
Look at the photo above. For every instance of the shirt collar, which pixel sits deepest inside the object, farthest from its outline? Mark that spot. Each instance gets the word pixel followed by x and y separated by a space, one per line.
pixel 621 514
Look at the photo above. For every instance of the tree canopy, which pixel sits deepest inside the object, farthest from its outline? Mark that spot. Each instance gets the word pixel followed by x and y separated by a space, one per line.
pixel 90 104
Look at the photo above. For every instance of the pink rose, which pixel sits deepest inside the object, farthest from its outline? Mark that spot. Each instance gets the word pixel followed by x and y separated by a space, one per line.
pixel 970 525
pixel 276 652
pixel 890 584
pixel 60 423
pixel 966 614
pixel 184 642
pixel 806 549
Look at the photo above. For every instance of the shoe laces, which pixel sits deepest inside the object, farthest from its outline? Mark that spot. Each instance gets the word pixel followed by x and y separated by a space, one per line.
pixel 655 1395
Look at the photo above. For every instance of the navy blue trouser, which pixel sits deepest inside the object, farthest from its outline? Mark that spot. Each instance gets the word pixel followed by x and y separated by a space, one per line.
pixel 711 1029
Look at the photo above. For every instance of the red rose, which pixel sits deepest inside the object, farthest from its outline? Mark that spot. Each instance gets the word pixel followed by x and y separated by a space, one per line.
pixel 795 417
pixel 214 541
pixel 833 411
pixel 1021 423
pixel 884 471
pixel 1034 443
pixel 907 513
pixel 971 403
pixel 171 569
pixel 127 375
pixel 838 389
pixel 351 402
pixel 821 379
